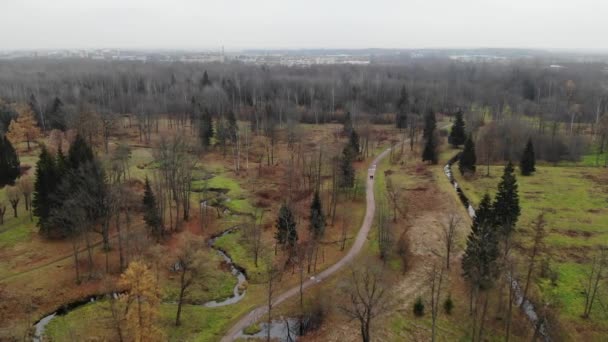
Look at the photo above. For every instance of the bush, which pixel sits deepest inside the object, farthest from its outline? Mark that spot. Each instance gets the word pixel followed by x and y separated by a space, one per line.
pixel 448 305
pixel 252 329
pixel 419 307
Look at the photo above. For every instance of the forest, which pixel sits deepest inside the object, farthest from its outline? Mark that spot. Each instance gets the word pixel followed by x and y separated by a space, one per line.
pixel 427 200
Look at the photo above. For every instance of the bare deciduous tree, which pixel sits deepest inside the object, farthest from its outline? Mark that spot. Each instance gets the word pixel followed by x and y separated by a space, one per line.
pixel 449 236
pixel 368 299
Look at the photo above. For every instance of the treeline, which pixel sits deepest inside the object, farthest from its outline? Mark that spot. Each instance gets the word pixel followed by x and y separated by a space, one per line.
pixel 58 90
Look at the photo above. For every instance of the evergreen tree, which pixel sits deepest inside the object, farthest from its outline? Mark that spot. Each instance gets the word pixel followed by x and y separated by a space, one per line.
pixel 286 234
pixel 9 162
pixel 205 80
pixel 233 126
pixel 430 150
pixel 457 134
pixel 47 180
pixel 348 124
pixel 402 108
pixel 79 153
pixel 317 218
pixel 56 115
pixel 481 253
pixel 430 123
pixel 347 171
pixel 528 161
pixel 353 142
pixel 467 160
pixel 205 129
pixel 151 214
pixel 506 204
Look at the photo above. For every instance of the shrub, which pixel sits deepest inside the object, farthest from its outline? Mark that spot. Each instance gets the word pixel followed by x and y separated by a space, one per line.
pixel 252 329
pixel 419 307
pixel 448 305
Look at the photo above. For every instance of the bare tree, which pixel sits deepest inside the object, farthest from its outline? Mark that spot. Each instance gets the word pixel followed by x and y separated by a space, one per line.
pixel 26 186
pixel 393 193
pixel 436 282
pixel 594 276
pixel 537 248
pixel 449 236
pixel 368 299
pixel 271 274
pixel 190 262
pixel 13 195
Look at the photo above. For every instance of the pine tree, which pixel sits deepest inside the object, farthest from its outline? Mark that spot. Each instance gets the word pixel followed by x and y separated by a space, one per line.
pixel 347 171
pixel 506 204
pixel 317 218
pixel 528 161
pixel 205 129
pixel 430 150
pixel 205 80
pixel 56 115
pixel 457 134
pixel 233 127
pixel 9 162
pixel 79 153
pixel 151 214
pixel 430 123
pixel 47 181
pixel 467 160
pixel 286 234
pixel 481 253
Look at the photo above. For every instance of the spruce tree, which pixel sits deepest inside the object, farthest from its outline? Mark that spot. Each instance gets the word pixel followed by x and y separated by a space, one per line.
pixel 348 124
pixel 430 123
pixel 430 150
pixel 205 129
pixel 47 181
pixel 481 253
pixel 79 153
pixel 286 234
pixel 9 162
pixel 347 171
pixel 353 142
pixel 527 164
pixel 467 160
pixel 317 218
pixel 506 204
pixel 402 108
pixel 457 134
pixel 56 115
pixel 151 214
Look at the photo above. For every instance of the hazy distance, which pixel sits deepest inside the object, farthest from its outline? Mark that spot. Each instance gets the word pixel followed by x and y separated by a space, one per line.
pixel 271 24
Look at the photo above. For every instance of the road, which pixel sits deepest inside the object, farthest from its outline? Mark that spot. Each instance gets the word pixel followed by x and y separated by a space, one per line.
pixel 257 313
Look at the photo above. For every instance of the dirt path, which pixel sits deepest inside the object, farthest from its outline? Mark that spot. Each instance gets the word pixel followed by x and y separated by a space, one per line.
pixel 258 312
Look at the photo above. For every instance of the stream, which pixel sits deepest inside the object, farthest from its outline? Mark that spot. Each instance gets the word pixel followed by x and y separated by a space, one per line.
pixel 238 294
pixel 527 306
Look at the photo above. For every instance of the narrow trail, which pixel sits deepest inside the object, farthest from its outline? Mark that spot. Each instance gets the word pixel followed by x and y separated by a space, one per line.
pixel 360 240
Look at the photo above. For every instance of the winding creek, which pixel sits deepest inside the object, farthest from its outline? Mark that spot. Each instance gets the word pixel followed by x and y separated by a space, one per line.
pixel 238 291
pixel 524 303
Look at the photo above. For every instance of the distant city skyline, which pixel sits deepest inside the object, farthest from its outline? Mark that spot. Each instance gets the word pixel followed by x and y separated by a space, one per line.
pixel 285 24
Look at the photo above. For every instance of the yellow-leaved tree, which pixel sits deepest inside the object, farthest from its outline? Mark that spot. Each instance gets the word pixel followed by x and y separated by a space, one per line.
pixel 24 127
pixel 142 302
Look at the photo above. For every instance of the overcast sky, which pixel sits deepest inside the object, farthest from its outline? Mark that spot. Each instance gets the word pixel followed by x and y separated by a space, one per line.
pixel 237 24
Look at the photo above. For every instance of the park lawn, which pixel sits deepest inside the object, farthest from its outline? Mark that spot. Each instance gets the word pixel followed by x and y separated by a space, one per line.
pixel 218 282
pixel 199 323
pixel 574 202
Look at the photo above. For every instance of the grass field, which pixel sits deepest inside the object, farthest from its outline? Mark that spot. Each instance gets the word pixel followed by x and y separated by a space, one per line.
pixel 574 200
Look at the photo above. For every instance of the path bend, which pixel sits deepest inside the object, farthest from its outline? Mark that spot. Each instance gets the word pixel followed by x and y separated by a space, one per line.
pixel 257 313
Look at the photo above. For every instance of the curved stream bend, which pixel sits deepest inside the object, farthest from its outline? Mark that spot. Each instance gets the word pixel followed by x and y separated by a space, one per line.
pixel 238 294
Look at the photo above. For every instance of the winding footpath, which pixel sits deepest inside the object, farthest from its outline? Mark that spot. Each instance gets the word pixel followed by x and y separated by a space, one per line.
pixel 257 313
